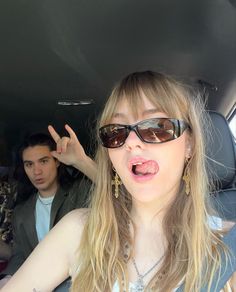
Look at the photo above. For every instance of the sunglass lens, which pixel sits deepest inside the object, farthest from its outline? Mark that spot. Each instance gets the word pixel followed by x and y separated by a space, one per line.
pixel 113 136
pixel 157 130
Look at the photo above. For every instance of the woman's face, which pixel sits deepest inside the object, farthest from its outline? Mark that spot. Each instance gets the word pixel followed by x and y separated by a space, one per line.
pixel 150 172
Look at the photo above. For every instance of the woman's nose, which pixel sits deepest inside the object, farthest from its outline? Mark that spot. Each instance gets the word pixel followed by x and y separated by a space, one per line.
pixel 133 141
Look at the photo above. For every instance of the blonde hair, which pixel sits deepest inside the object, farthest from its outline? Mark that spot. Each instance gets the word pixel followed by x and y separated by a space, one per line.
pixel 191 243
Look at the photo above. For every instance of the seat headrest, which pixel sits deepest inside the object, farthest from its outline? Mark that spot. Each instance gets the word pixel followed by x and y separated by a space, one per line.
pixel 221 151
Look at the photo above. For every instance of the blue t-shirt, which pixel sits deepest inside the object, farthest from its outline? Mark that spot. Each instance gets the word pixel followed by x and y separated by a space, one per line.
pixel 42 216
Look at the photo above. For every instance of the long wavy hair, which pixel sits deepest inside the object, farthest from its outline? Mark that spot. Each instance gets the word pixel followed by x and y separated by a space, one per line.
pixel 191 244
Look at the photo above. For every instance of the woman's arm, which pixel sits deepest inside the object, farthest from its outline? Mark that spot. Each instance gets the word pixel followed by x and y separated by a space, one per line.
pixel 51 261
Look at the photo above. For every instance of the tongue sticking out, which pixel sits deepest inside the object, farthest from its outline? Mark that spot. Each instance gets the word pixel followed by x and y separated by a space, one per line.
pixel 148 167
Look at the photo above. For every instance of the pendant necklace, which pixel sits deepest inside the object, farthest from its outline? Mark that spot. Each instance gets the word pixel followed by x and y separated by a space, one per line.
pixel 139 284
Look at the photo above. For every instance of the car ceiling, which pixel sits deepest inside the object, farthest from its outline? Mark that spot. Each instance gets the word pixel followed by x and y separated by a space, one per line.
pixel 55 50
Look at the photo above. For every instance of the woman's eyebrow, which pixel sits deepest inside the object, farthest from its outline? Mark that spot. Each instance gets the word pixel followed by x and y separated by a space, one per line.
pixel 118 115
pixel 150 111
pixel 143 113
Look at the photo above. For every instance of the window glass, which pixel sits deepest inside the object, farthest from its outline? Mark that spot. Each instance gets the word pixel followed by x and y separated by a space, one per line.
pixel 232 124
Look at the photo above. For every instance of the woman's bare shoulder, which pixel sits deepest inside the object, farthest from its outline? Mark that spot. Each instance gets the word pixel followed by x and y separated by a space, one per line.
pixel 74 223
pixel 77 215
pixel 75 220
pixel 55 255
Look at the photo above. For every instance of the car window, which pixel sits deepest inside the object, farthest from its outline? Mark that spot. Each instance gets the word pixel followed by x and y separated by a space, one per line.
pixel 232 122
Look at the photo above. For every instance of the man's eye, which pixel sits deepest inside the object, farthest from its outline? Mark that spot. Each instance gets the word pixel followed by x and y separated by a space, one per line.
pixel 28 164
pixel 44 161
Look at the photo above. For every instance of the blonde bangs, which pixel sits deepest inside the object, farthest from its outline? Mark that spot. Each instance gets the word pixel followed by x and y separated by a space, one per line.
pixel 167 95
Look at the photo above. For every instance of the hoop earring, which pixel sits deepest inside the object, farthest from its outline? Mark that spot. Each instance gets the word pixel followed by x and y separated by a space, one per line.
pixel 116 182
pixel 186 178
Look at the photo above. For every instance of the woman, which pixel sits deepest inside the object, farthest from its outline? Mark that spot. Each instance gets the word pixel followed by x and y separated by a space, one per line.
pixel 147 227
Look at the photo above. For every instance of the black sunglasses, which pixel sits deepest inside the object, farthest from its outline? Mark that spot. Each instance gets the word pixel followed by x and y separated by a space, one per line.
pixel 157 130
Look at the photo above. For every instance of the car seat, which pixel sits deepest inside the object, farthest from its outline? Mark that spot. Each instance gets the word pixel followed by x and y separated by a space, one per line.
pixel 221 158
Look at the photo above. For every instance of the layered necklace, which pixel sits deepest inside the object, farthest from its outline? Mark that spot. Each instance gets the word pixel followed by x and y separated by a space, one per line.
pixel 139 284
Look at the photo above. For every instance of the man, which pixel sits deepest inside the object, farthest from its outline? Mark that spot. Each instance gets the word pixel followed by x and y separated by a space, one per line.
pixel 55 194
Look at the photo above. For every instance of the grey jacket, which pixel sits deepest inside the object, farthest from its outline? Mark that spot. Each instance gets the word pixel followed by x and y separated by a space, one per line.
pixel 24 228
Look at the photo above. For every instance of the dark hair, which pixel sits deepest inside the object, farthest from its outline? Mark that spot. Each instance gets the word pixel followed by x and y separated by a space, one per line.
pixel 24 187
pixel 37 139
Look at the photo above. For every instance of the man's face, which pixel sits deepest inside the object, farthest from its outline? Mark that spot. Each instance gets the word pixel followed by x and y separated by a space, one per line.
pixel 41 169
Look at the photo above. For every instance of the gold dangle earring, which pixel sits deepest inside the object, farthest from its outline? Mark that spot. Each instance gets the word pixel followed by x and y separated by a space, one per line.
pixel 186 177
pixel 116 182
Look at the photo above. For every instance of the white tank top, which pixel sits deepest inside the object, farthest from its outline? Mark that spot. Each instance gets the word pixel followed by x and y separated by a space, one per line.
pixel 131 288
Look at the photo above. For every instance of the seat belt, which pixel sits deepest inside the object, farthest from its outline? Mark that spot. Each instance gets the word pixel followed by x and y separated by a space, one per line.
pixel 223 275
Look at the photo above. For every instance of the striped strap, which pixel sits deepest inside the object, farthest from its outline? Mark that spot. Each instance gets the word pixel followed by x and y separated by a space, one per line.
pixel 221 278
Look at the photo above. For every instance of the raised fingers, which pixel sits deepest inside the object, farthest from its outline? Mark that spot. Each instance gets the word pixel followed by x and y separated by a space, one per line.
pixel 56 137
pixel 53 133
pixel 63 144
pixel 71 132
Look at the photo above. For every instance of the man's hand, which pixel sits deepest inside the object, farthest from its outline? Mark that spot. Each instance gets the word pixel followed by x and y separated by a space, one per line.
pixel 70 152
pixel 68 149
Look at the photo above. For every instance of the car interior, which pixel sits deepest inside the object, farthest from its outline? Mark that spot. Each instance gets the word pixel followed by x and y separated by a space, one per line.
pixel 59 60
pixel 221 158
